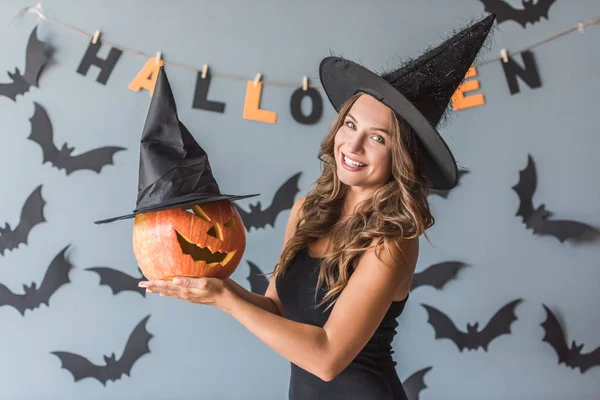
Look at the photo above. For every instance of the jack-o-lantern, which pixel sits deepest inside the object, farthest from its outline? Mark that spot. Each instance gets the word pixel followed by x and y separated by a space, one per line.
pixel 206 241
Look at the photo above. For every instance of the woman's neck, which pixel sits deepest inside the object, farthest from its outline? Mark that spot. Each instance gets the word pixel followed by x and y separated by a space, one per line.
pixel 354 196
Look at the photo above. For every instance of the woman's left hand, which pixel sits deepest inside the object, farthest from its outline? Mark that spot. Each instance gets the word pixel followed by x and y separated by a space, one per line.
pixel 209 291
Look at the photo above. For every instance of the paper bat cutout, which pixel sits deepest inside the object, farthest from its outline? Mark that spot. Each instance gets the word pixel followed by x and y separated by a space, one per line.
pixel 498 325
pixel 258 283
pixel 529 13
pixel 82 368
pixel 537 219
pixel 283 200
pixel 415 383
pixel 444 193
pixel 35 60
pixel 572 357
pixel 42 134
pixel 32 214
pixel 436 275
pixel 56 276
pixel 118 281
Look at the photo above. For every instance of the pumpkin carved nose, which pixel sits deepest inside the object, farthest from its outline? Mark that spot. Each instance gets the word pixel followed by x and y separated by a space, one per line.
pixel 213 232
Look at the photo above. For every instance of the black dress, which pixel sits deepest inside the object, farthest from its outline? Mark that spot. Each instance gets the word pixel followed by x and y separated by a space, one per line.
pixel 371 375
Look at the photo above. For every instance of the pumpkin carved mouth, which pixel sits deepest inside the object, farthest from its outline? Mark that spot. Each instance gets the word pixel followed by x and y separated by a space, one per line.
pixel 199 253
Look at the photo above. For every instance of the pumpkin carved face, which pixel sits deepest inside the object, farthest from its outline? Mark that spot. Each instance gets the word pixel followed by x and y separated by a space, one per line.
pixel 207 241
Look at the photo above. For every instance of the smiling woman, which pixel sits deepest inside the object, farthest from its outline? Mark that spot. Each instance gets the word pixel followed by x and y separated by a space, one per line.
pixel 363 143
pixel 352 243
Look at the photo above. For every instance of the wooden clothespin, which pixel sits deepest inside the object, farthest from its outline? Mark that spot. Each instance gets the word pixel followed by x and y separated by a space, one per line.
pixel 204 71
pixel 580 27
pixel 305 84
pixel 158 57
pixel 96 36
pixel 504 55
pixel 258 76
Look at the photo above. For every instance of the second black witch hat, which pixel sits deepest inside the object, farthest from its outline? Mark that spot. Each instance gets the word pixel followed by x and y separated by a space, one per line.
pixel 174 171
pixel 419 91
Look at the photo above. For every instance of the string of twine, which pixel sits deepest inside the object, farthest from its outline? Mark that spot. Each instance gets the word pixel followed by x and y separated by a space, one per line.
pixel 41 15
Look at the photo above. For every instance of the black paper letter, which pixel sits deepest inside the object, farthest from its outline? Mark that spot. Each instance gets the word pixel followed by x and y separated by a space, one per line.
pixel 317 106
pixel 529 74
pixel 106 66
pixel 200 96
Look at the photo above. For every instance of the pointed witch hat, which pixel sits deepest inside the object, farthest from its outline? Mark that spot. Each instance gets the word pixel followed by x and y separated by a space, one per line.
pixel 174 170
pixel 419 92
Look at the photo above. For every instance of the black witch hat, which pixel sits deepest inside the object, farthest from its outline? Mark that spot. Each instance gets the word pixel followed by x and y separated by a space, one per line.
pixel 419 91
pixel 174 169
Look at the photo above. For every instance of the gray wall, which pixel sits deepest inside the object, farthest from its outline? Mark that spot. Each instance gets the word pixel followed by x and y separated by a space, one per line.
pixel 200 352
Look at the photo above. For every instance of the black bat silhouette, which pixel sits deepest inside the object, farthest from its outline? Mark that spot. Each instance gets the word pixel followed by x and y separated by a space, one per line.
pixel 537 219
pixel 444 193
pixel 136 347
pixel 415 383
pixel 529 13
pixel 572 357
pixel 498 325
pixel 118 281
pixel 35 60
pixel 32 214
pixel 42 134
pixel 258 283
pixel 283 200
pixel 436 275
pixel 56 276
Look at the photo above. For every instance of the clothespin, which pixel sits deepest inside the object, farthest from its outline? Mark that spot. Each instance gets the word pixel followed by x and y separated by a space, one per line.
pixel 204 71
pixel 158 57
pixel 305 84
pixel 580 27
pixel 96 36
pixel 258 76
pixel 37 9
pixel 504 55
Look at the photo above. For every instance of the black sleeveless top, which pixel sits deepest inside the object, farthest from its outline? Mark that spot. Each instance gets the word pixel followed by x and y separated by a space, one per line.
pixel 371 375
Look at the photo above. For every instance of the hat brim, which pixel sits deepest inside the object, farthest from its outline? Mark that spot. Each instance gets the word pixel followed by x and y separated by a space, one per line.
pixel 174 204
pixel 343 78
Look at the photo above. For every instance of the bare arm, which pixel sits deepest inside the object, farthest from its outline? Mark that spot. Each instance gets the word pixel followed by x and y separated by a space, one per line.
pixel 270 301
pixel 258 300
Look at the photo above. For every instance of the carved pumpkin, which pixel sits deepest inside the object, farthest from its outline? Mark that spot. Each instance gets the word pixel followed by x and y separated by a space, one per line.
pixel 206 241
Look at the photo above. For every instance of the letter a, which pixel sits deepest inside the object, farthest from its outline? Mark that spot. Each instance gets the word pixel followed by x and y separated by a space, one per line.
pixel 146 78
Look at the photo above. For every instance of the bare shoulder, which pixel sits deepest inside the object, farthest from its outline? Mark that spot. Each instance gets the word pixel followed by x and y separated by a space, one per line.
pixel 297 208
pixel 396 262
pixel 400 253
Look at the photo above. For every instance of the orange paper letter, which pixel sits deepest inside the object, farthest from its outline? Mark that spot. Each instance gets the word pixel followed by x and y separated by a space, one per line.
pixel 459 100
pixel 252 105
pixel 146 78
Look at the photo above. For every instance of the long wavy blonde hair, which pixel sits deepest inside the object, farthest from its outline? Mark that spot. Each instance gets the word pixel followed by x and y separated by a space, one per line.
pixel 398 208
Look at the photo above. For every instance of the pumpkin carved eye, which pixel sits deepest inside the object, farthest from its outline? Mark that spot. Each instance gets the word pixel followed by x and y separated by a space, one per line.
pixel 232 223
pixel 200 213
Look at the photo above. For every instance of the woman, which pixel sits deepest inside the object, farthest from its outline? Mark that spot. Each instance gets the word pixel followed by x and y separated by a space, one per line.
pixel 351 244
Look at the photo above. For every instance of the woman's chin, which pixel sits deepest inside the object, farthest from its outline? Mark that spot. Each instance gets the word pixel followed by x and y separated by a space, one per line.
pixel 349 180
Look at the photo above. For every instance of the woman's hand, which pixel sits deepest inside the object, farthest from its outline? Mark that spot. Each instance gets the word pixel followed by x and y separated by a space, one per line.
pixel 209 291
